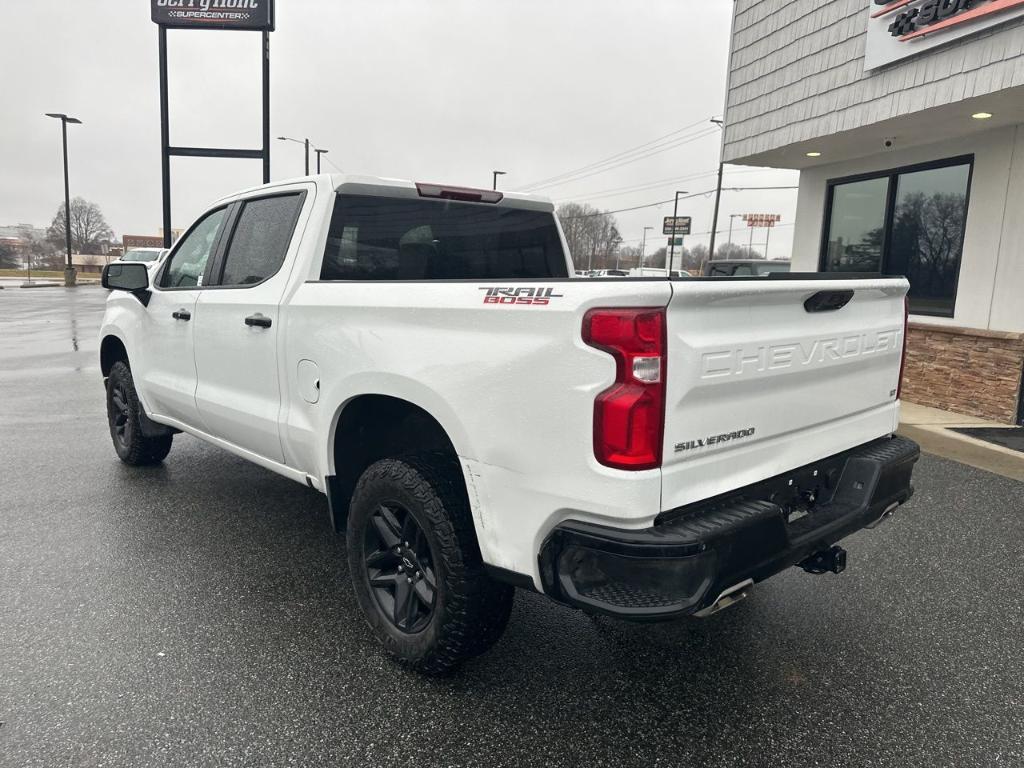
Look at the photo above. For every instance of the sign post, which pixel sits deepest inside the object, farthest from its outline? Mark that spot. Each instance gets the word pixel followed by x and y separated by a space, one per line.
pixel 244 15
pixel 673 226
pixel 767 220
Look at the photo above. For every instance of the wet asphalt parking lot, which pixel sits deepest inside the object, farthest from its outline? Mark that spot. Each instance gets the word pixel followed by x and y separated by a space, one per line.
pixel 199 613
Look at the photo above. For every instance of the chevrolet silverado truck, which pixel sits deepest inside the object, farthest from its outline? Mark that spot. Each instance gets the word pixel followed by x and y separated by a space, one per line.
pixel 480 419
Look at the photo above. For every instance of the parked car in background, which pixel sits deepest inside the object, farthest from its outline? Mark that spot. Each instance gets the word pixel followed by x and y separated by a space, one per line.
pixel 744 267
pixel 609 273
pixel 656 272
pixel 151 257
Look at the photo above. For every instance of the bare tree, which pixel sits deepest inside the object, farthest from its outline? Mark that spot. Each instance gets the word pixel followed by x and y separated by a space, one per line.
pixel 37 250
pixel 592 235
pixel 9 258
pixel 88 227
pixel 733 251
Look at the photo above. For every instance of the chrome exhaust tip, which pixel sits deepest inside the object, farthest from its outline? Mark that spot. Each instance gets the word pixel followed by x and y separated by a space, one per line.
pixel 728 597
pixel 883 517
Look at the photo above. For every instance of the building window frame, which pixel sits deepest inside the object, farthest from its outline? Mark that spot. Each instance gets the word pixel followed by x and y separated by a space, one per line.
pixel 892 176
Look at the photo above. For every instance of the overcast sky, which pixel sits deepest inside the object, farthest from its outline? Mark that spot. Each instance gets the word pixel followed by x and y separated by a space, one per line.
pixel 445 90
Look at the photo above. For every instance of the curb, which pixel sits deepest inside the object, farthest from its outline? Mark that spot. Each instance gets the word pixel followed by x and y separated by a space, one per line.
pixel 967 450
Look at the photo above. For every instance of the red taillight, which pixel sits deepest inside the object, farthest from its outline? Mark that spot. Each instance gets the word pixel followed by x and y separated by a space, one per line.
pixel 629 416
pixel 903 356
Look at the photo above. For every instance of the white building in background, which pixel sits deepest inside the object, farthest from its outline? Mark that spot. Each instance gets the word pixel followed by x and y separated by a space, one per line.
pixel 906 121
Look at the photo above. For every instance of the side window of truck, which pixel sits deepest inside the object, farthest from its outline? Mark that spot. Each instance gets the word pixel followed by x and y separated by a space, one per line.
pixel 185 267
pixel 260 239
pixel 384 238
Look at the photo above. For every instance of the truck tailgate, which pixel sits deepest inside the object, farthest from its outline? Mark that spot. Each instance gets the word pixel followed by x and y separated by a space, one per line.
pixel 757 383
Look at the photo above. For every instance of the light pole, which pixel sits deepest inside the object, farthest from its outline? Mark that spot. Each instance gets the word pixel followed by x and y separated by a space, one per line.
pixel 69 270
pixel 304 142
pixel 494 178
pixel 672 242
pixel 643 245
pixel 718 196
pixel 318 153
pixel 731 217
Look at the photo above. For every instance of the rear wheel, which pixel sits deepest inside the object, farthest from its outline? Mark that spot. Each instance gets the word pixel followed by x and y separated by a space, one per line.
pixel 416 566
pixel 124 418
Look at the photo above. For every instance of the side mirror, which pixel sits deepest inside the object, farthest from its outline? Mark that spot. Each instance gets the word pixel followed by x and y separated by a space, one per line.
pixel 131 277
pixel 126 277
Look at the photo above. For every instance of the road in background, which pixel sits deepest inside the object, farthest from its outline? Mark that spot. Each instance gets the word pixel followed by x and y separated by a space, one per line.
pixel 199 613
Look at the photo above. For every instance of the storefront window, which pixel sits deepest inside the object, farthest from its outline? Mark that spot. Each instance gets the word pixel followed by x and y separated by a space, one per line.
pixel 909 221
pixel 856 226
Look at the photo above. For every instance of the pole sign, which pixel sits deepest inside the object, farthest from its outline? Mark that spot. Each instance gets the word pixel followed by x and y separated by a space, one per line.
pixel 676 242
pixel 761 219
pixel 142 241
pixel 901 28
pixel 214 14
pixel 676 225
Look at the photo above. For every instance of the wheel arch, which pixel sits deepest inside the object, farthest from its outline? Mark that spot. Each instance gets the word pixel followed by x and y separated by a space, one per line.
pixel 372 426
pixel 112 349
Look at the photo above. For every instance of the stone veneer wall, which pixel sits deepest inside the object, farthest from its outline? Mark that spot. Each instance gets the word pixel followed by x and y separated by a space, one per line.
pixel 964 370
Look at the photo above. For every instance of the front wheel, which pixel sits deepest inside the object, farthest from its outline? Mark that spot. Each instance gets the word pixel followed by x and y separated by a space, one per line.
pixel 125 420
pixel 416 568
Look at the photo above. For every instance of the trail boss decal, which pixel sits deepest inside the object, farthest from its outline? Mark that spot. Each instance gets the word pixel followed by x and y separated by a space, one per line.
pixel 689 445
pixel 520 295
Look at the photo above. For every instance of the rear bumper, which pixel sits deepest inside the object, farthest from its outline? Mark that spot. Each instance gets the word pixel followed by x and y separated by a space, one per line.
pixel 691 555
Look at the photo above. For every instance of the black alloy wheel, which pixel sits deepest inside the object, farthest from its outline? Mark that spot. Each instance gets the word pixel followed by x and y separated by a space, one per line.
pixel 120 412
pixel 400 567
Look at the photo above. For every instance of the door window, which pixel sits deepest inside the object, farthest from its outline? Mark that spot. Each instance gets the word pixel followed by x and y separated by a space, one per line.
pixel 187 264
pixel 260 240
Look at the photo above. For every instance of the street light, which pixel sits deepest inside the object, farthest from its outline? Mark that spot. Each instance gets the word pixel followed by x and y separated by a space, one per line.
pixel 672 242
pixel 304 142
pixel 69 270
pixel 494 178
pixel 643 246
pixel 318 153
pixel 718 194
pixel 731 217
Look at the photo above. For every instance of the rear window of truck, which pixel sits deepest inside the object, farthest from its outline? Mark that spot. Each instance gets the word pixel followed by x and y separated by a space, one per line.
pixel 382 238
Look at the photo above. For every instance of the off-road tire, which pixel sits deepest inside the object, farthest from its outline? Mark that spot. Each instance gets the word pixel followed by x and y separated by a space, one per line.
pixel 470 610
pixel 124 419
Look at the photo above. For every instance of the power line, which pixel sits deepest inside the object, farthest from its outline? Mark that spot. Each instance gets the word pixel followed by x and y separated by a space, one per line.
pixel 544 181
pixel 665 202
pixel 614 191
pixel 333 165
pixel 627 160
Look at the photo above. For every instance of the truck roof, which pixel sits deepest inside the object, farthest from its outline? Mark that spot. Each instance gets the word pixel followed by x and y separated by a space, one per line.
pixel 381 185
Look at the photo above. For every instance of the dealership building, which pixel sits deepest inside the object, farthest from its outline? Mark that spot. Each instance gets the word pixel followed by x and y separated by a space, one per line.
pixel 906 121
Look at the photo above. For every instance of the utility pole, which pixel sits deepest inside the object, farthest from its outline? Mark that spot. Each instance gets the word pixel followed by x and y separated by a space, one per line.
pixel 69 270
pixel 718 197
pixel 494 178
pixel 318 153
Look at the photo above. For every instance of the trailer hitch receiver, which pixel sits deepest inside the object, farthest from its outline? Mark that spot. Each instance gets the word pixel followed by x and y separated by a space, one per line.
pixel 828 560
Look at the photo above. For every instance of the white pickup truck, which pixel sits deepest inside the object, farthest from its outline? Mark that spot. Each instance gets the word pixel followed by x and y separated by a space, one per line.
pixel 480 420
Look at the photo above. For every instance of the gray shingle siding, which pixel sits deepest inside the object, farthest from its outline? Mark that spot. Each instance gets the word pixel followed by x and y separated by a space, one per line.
pixel 797 72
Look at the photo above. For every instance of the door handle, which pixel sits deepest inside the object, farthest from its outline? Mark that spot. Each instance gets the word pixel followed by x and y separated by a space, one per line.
pixel 181 314
pixel 258 320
